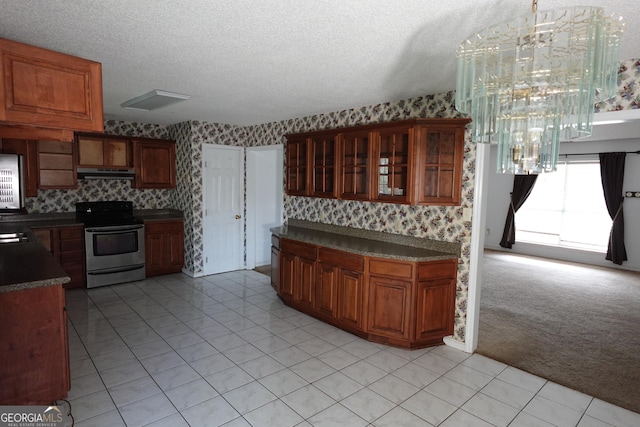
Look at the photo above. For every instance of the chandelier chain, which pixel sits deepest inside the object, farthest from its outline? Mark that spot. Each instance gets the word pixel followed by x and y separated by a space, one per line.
pixel 534 6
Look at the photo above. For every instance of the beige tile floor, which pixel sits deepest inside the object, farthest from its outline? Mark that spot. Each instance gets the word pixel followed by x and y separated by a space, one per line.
pixel 223 350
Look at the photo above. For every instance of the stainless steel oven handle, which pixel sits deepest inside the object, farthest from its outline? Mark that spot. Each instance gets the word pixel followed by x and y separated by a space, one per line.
pixel 119 270
pixel 114 230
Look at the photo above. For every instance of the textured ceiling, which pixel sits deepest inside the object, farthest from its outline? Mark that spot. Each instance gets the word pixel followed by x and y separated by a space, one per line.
pixel 250 61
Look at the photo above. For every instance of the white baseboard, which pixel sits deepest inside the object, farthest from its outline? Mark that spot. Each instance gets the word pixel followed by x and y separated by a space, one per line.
pixel 451 342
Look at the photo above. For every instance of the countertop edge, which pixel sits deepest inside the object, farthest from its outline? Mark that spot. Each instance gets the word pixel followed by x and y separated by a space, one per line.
pixel 289 232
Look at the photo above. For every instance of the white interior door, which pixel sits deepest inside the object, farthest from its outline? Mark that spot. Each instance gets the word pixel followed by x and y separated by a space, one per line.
pixel 223 208
pixel 264 201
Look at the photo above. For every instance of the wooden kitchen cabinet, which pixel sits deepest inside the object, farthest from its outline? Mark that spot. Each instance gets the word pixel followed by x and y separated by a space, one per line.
pixel 416 162
pixel 29 151
pixel 35 365
pixel 390 296
pixel 56 165
pixel 297 166
pixel 47 89
pixel 323 148
pixel 440 151
pixel 297 269
pixel 393 155
pixel 164 247
pixel 402 303
pixel 339 288
pixel 103 151
pixel 354 159
pixel 66 244
pixel 435 299
pixel 155 163
pixel 275 263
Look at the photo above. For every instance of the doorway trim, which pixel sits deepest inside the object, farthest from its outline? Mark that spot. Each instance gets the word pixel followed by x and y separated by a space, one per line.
pixel 251 217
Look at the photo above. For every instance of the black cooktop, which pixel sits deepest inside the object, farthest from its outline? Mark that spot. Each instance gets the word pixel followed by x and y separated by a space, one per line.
pixel 106 213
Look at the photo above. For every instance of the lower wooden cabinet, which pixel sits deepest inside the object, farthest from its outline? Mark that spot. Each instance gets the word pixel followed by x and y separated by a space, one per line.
pixel 389 307
pixel 298 267
pixel 339 286
pixel 66 244
pixel 164 247
pixel 401 303
pixel 35 358
pixel 275 262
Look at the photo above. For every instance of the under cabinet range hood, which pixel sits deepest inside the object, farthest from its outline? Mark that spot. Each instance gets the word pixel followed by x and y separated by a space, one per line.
pixel 106 173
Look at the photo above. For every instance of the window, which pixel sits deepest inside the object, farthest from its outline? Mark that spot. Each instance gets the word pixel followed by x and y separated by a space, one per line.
pixel 566 208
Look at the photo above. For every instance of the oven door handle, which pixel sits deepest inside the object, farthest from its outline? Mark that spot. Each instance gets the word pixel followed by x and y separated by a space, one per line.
pixel 113 230
pixel 118 270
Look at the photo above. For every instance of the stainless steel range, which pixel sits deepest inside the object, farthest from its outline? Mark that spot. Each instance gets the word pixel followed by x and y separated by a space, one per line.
pixel 114 242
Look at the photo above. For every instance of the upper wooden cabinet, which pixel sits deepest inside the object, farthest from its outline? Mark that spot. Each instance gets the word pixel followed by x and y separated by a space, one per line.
pixel 323 148
pixel 56 165
pixel 47 89
pixel 297 166
pixel 103 151
pixel 155 163
pixel 393 155
pixel 440 154
pixel 416 162
pixel 354 157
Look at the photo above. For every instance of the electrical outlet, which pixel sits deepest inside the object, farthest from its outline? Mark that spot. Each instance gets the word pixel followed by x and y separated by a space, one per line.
pixel 487 232
pixel 399 224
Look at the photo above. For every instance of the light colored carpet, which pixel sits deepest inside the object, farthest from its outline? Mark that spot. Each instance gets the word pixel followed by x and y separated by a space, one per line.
pixel 573 324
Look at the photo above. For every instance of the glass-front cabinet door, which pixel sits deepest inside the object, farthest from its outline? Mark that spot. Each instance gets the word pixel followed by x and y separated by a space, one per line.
pixel 440 155
pixel 297 151
pixel 393 154
pixel 324 166
pixel 355 161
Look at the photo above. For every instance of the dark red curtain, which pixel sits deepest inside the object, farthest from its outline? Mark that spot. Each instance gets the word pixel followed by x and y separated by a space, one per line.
pixel 522 186
pixel 612 175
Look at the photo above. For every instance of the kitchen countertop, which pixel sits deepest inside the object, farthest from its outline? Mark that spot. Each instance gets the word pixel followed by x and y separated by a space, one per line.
pixel 368 243
pixel 30 264
pixel 27 265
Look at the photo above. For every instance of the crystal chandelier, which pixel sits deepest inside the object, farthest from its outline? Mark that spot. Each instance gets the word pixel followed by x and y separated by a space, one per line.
pixel 533 81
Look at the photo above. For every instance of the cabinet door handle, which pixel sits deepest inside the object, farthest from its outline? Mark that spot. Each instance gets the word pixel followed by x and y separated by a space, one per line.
pixel 238 217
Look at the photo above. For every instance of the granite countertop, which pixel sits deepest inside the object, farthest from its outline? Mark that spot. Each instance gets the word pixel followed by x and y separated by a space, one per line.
pixel 18 262
pixel 367 244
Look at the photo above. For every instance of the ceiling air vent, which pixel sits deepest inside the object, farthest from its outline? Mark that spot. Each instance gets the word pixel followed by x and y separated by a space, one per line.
pixel 154 100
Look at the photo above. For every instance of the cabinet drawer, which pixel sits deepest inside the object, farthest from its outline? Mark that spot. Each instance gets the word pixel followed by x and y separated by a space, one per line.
pixel 71 245
pixel 391 268
pixel 342 259
pixel 275 241
pixel 71 233
pixel 164 226
pixel 303 250
pixel 437 269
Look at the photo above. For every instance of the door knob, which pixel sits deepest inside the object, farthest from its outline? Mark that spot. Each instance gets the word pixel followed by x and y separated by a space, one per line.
pixel 238 217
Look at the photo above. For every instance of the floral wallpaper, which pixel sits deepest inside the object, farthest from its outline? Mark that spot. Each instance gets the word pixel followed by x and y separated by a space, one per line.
pixel 433 222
